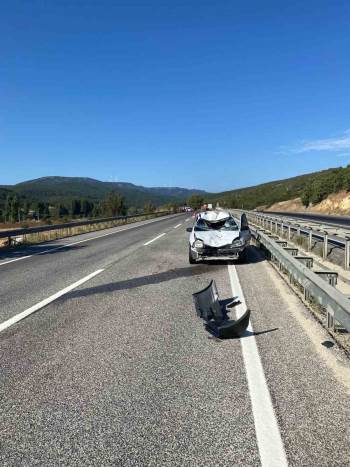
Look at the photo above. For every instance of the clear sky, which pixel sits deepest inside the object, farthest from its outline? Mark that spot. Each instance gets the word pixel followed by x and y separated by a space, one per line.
pixel 208 94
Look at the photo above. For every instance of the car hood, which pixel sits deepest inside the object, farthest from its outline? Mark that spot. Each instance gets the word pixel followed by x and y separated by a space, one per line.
pixel 217 238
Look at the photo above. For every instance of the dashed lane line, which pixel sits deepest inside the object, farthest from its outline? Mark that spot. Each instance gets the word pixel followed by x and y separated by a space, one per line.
pixel 10 322
pixel 80 241
pixel 154 239
pixel 270 445
pixel 176 226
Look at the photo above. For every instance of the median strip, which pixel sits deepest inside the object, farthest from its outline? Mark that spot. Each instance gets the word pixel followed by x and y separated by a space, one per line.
pixel 47 301
pixel 154 239
pixel 270 445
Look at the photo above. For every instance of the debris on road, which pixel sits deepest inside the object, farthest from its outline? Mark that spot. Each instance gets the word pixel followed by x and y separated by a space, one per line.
pixel 215 313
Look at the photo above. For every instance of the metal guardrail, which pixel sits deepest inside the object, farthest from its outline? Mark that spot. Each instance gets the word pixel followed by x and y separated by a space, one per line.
pixel 311 232
pixel 327 296
pixel 12 233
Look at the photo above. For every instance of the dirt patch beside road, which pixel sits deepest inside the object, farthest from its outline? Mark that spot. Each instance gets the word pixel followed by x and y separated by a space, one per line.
pixel 336 203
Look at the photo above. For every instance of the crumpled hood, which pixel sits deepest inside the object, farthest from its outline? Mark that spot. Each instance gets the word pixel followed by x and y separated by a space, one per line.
pixel 217 238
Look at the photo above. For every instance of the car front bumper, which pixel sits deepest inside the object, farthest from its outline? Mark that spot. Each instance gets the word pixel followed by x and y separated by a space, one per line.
pixel 213 253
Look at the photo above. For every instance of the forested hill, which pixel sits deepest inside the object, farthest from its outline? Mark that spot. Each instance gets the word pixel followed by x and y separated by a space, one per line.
pixel 62 189
pixel 311 188
pixel 55 191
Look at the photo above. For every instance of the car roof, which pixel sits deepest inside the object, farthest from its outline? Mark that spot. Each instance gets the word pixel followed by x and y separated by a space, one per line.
pixel 214 216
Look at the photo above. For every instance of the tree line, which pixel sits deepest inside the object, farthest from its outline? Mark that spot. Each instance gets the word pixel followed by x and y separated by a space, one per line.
pixel 19 210
pixel 324 184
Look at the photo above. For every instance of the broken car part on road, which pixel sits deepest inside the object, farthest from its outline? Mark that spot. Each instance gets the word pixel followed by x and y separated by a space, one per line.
pixel 215 314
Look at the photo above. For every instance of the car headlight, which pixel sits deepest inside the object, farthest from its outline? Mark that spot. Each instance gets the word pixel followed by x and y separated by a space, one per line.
pixel 238 242
pixel 198 244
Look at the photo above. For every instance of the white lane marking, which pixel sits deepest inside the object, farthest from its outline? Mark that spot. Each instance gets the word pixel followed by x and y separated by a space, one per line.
pixel 81 241
pixel 270 445
pixel 189 218
pixel 32 309
pixel 176 226
pixel 17 259
pixel 154 239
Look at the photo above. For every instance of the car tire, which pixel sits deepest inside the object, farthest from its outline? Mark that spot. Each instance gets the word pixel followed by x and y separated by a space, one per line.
pixel 191 260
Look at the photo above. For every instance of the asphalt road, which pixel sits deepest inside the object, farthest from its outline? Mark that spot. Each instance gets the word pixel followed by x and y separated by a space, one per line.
pixel 341 221
pixel 119 370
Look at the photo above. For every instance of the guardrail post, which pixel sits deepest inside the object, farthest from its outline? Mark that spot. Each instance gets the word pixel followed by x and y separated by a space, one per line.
pixel 330 319
pixel 347 252
pixel 282 229
pixel 325 245
pixel 289 232
pixel 298 230
pixel 310 240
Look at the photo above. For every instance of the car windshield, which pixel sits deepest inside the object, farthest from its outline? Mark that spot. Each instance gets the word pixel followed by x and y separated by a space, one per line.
pixel 224 225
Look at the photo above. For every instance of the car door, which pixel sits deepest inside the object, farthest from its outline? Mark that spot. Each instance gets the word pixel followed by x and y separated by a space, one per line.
pixel 244 229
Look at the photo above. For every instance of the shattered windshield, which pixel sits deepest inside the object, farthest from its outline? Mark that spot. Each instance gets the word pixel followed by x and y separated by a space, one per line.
pixel 224 225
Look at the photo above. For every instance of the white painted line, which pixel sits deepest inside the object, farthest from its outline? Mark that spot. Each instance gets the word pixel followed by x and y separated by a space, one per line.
pixel 66 245
pixel 176 226
pixel 38 306
pixel 17 259
pixel 270 445
pixel 154 239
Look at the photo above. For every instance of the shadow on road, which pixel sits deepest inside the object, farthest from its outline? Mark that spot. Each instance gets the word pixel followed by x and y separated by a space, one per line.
pixel 38 250
pixel 246 333
pixel 157 278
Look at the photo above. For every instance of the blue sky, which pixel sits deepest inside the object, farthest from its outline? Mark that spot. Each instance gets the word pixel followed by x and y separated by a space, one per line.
pixel 207 94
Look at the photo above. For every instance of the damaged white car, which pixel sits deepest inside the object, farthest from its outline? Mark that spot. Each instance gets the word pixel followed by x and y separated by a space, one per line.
pixel 216 235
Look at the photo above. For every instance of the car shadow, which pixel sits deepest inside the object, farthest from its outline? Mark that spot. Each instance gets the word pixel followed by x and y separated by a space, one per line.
pixel 141 281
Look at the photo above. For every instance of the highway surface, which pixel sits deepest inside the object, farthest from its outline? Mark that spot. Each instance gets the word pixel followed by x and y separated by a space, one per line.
pixel 341 221
pixel 114 367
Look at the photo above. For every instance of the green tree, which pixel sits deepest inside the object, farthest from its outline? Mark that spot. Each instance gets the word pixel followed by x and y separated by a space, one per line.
pixel 42 210
pixel 195 201
pixel 149 208
pixel 75 207
pixel 14 209
pixel 306 196
pixel 114 205
pixel 86 207
pixel 62 210
pixel 7 211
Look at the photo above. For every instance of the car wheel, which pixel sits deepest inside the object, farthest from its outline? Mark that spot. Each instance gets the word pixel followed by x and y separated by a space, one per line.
pixel 191 260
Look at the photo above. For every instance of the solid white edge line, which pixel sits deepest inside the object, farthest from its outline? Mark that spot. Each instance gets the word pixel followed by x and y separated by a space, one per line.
pixel 154 239
pixel 85 240
pixel 38 306
pixel 176 226
pixel 270 444
pixel 17 259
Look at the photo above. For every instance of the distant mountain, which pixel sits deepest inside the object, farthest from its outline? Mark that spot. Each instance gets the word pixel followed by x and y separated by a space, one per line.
pixel 309 189
pixel 61 189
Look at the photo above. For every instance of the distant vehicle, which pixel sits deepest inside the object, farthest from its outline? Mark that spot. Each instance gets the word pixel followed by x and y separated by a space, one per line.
pixel 217 235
